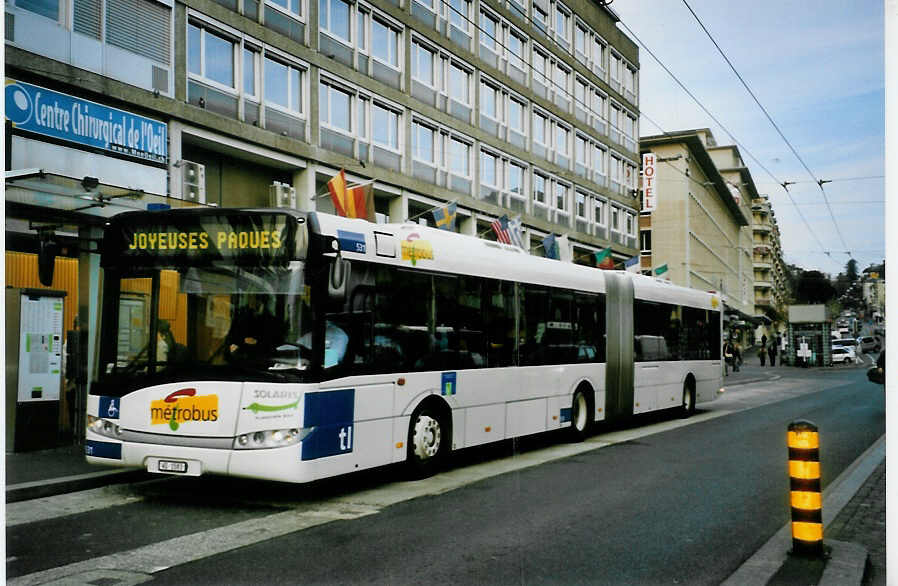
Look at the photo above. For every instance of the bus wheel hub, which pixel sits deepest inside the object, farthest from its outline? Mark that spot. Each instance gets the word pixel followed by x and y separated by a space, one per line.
pixel 427 437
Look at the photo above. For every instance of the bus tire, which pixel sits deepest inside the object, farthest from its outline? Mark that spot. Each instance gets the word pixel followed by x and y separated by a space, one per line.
pixel 581 414
pixel 687 407
pixel 429 440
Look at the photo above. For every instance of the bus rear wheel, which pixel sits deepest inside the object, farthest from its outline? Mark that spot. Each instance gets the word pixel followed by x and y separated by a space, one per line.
pixel 687 407
pixel 428 441
pixel 581 415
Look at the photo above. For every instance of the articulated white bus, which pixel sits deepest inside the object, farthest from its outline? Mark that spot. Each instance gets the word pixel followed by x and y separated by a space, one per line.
pixel 295 346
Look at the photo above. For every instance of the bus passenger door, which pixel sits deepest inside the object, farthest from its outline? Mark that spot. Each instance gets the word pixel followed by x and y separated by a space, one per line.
pixel 619 353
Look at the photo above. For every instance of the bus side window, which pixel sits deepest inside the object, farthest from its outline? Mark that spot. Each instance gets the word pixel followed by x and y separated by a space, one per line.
pixel 499 317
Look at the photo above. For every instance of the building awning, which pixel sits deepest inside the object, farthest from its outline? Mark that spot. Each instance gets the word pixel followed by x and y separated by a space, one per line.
pixel 734 317
pixel 55 198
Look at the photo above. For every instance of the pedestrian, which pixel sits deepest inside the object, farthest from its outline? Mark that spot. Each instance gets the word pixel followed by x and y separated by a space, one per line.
pixel 763 340
pixel 762 352
pixel 771 353
pixel 727 357
pixel 737 357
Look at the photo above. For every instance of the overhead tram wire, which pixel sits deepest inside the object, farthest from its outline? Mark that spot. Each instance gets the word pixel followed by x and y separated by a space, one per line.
pixel 528 64
pixel 725 129
pixel 775 126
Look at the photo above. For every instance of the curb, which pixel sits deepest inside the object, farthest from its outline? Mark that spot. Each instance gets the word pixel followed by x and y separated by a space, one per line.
pixel 25 491
pixel 848 559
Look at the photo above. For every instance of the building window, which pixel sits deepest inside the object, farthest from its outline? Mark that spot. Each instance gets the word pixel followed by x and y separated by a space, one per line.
pixel 335 109
pixel 599 209
pixel 580 43
pixel 459 84
pixel 516 179
pixel 459 15
pixel 423 61
pixel 385 127
pixel 250 60
pixel 425 144
pixel 581 205
pixel 489 100
pixel 540 65
pixel 562 135
pixel 488 170
pixel 540 18
pixel 283 85
pixel 489 31
pixel 384 43
pixel 460 158
pixel 334 19
pixel 539 189
pixel 540 124
pixel 293 7
pixel 210 56
pixel 645 241
pixel 47 8
pixel 562 25
pixel 516 116
pixel 615 219
pixel 517 45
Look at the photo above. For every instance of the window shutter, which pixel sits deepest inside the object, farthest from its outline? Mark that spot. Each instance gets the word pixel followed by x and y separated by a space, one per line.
pixel 87 18
pixel 139 26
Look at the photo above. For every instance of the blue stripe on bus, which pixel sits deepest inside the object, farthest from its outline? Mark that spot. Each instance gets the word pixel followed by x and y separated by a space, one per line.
pixel 330 415
pixel 565 414
pixel 351 241
pixel 103 450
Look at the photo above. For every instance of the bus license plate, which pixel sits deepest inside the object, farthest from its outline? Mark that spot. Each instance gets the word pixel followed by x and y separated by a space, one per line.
pixel 172 466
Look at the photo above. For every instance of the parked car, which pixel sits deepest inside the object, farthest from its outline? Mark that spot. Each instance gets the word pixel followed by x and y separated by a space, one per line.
pixel 843 355
pixel 867 344
pixel 845 343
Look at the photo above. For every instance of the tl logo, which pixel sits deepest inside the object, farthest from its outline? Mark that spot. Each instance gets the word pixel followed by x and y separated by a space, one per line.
pixel 183 405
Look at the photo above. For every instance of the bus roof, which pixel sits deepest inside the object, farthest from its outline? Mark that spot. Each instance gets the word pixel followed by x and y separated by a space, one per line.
pixel 425 248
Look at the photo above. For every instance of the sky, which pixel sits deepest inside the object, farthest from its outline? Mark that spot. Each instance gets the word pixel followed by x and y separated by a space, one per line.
pixel 817 67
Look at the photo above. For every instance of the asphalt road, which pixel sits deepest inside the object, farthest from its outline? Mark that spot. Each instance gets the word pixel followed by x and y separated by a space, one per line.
pixel 685 505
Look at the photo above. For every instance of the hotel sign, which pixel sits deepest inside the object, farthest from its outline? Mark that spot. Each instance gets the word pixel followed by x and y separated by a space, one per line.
pixel 649 193
pixel 64 117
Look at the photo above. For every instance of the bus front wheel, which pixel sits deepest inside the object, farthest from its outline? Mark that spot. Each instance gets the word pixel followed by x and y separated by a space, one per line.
pixel 428 441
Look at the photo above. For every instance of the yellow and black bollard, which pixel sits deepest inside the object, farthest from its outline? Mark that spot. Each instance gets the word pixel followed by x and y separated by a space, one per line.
pixel 804 485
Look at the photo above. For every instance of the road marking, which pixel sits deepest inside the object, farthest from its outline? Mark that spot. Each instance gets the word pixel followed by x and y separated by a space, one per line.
pixel 190 548
pixel 83 501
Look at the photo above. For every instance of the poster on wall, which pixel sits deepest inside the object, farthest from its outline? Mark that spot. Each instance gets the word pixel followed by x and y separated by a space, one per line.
pixel 40 348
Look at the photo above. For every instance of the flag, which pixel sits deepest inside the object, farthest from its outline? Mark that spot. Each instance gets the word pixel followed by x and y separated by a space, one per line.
pixel 500 227
pixel 550 246
pixel 632 265
pixel 352 202
pixel 661 270
pixel 445 217
pixel 515 232
pixel 564 249
pixel 604 260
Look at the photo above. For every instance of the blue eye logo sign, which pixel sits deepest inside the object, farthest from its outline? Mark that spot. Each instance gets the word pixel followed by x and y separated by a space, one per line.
pixel 36 109
pixel 18 104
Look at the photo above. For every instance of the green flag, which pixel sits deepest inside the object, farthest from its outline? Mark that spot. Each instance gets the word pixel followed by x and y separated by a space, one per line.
pixel 661 270
pixel 604 260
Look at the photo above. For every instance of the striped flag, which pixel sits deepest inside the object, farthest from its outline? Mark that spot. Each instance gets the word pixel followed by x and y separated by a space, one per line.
pixel 352 202
pixel 515 231
pixel 632 265
pixel 500 227
pixel 604 260
pixel 445 217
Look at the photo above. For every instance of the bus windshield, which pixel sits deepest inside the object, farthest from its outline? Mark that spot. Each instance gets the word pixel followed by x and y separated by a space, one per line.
pixel 223 322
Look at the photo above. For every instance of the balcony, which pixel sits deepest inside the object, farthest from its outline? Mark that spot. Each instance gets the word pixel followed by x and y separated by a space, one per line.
pixel 762 228
pixel 763 284
pixel 762 264
pixel 763 301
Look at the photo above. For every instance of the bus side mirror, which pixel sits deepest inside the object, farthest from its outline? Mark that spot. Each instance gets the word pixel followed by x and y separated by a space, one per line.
pixel 46 257
pixel 337 277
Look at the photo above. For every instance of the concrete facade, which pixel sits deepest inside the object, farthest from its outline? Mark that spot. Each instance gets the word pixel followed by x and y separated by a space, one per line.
pixel 700 228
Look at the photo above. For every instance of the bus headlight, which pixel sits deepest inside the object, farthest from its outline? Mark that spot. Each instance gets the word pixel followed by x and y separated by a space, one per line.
pixel 104 427
pixel 272 438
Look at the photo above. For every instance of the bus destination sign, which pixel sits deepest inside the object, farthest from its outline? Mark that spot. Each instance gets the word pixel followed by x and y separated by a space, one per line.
pixel 153 238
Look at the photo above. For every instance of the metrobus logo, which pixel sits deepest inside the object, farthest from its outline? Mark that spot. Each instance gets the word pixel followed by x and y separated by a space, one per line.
pixel 182 406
